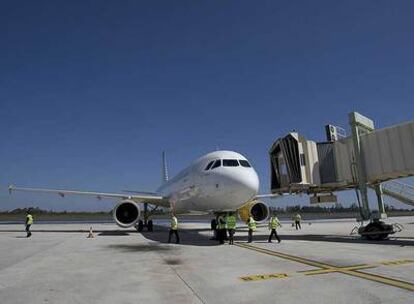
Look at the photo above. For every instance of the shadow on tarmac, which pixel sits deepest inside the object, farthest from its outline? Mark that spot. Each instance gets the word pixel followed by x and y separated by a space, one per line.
pixel 195 238
pixel 139 247
pixel 113 233
pixel 187 237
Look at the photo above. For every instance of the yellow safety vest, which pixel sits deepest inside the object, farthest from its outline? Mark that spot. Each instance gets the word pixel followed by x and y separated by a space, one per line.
pixel 297 217
pixel 29 218
pixel 274 223
pixel 174 223
pixel 221 223
pixel 251 224
pixel 231 222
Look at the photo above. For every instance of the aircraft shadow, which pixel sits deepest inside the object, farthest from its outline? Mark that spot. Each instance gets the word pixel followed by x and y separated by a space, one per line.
pixel 187 236
pixel 195 238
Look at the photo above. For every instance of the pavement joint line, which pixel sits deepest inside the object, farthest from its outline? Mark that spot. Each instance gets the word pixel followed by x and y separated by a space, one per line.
pixel 327 268
pixel 182 279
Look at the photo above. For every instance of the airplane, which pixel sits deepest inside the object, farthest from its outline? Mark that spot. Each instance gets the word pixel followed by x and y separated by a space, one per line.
pixel 216 183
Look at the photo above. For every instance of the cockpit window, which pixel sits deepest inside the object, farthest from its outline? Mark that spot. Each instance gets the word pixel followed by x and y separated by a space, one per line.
pixel 244 163
pixel 230 163
pixel 209 165
pixel 216 164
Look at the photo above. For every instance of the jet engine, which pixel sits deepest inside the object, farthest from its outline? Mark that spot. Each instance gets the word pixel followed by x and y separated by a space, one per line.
pixel 258 209
pixel 126 213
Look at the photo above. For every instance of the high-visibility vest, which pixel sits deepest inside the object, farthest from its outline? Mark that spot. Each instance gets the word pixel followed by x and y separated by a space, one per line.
pixel 221 223
pixel 274 222
pixel 231 222
pixel 297 217
pixel 251 224
pixel 29 219
pixel 174 223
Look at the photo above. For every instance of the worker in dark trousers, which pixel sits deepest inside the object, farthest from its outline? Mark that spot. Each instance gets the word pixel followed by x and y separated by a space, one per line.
pixel 221 229
pixel 231 227
pixel 273 224
pixel 297 218
pixel 251 224
pixel 174 229
pixel 29 223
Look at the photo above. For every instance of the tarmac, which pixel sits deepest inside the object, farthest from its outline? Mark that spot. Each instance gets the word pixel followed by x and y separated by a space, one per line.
pixel 321 263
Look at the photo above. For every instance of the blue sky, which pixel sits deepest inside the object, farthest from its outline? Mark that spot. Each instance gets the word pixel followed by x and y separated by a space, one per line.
pixel 91 92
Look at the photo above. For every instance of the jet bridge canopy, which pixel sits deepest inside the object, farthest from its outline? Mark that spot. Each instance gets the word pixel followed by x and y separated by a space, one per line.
pixel 301 165
pixel 293 162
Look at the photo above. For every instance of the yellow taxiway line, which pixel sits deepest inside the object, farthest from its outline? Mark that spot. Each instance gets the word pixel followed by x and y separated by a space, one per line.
pixel 324 268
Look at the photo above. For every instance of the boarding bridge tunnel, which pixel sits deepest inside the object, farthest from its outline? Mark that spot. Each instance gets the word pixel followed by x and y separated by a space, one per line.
pixel 365 159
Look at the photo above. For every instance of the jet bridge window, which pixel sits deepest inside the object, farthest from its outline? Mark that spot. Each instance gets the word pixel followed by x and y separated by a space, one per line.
pixel 230 163
pixel 244 163
pixel 216 164
pixel 209 165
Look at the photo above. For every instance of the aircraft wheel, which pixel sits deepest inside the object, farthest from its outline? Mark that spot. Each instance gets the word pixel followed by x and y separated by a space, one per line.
pixel 214 229
pixel 376 227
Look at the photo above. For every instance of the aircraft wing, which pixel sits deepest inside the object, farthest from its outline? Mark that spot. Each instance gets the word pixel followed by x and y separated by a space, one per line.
pixel 151 198
pixel 270 195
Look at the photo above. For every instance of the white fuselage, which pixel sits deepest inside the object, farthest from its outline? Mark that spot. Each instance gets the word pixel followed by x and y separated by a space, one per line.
pixel 225 186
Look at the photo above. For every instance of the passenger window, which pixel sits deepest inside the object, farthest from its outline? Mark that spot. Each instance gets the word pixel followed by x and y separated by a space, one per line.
pixel 244 163
pixel 209 165
pixel 216 164
pixel 230 163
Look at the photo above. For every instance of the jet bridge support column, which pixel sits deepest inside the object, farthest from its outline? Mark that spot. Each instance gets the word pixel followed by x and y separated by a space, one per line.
pixel 376 229
pixel 379 193
pixel 360 125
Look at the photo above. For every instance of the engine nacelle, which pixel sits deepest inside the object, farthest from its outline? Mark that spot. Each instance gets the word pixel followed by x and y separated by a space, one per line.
pixel 126 213
pixel 258 209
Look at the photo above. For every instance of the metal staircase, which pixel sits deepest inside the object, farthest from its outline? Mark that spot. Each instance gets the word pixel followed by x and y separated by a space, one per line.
pixel 399 191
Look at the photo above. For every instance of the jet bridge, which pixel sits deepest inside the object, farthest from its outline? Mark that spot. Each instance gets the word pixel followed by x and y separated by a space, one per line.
pixel 366 158
pixel 299 165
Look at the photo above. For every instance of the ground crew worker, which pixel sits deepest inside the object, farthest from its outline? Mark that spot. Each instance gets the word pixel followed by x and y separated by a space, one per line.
pixel 221 229
pixel 231 227
pixel 251 224
pixel 174 229
pixel 297 218
pixel 29 222
pixel 273 224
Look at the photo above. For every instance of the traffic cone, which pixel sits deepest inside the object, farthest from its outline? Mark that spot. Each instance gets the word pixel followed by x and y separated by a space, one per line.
pixel 90 235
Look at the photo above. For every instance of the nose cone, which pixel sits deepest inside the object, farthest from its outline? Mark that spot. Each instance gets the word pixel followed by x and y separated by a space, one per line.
pixel 245 185
pixel 251 183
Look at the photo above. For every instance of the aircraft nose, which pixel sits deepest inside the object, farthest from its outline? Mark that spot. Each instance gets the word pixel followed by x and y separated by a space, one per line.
pixel 251 183
pixel 247 184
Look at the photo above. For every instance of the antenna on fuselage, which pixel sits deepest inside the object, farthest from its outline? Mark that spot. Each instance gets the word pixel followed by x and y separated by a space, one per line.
pixel 164 167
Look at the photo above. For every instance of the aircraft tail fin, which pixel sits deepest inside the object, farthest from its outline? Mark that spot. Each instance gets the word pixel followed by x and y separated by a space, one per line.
pixel 164 167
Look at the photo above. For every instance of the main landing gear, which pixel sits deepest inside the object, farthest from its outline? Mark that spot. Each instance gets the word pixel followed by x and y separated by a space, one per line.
pixel 214 229
pixel 146 223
